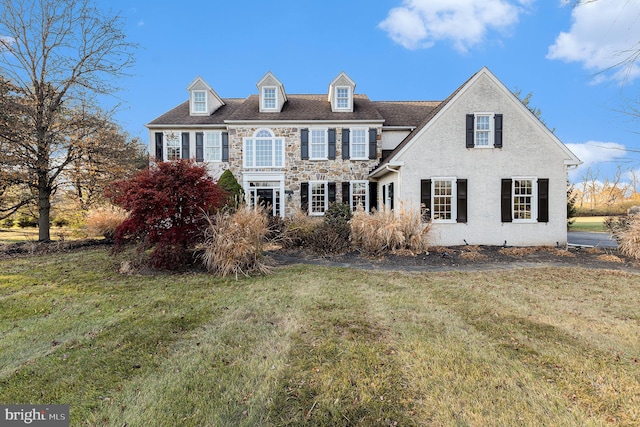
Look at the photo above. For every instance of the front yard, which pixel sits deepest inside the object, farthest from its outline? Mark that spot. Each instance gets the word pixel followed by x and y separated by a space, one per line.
pixel 320 345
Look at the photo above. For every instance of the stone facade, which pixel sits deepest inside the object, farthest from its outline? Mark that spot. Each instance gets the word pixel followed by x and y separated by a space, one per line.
pixel 296 170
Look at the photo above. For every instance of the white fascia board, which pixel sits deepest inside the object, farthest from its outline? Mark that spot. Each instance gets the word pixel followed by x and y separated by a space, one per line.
pixel 304 122
pixel 180 126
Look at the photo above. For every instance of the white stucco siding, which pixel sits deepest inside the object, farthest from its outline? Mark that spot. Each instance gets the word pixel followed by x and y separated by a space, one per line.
pixel 528 151
pixel 214 168
pixel 391 138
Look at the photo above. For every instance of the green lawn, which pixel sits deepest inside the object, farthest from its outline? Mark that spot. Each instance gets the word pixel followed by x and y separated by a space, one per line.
pixel 588 223
pixel 320 346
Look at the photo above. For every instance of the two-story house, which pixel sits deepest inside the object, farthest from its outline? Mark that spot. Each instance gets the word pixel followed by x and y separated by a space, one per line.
pixel 483 168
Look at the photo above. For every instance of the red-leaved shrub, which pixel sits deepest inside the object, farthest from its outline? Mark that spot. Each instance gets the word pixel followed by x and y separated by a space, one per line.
pixel 167 204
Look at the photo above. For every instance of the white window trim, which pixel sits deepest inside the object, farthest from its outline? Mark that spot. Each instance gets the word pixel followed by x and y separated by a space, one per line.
pixel 273 139
pixel 325 184
pixel 264 99
pixel 193 102
pixel 204 146
pixel 454 199
pixel 165 145
pixel 326 143
pixel 366 194
pixel 366 143
pixel 249 177
pixel 349 98
pixel 491 129
pixel 534 200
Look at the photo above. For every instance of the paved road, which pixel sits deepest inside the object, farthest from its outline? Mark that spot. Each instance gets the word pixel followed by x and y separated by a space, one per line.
pixel 601 240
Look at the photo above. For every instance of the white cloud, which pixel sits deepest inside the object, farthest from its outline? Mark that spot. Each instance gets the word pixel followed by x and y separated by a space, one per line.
pixel 594 152
pixel 141 23
pixel 422 23
pixel 603 34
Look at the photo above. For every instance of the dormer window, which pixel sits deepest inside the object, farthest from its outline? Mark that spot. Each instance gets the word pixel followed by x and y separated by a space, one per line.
pixel 269 98
pixel 199 101
pixel 203 100
pixel 341 91
pixel 342 98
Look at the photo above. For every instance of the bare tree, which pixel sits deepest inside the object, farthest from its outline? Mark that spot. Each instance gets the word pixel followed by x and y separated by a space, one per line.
pixel 57 56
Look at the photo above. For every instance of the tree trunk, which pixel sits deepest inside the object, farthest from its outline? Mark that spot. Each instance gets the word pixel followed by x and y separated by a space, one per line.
pixel 44 210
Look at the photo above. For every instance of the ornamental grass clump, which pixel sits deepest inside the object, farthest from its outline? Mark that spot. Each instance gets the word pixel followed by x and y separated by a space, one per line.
pixel 628 237
pixel 234 242
pixel 104 221
pixel 400 230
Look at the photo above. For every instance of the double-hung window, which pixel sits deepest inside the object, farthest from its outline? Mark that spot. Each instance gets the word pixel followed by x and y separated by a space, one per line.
pixel 359 143
pixel 318 144
pixel 483 130
pixel 199 101
pixel 443 203
pixel 269 98
pixel 263 150
pixel 342 98
pixel 173 145
pixel 212 146
pixel 523 197
pixel 444 199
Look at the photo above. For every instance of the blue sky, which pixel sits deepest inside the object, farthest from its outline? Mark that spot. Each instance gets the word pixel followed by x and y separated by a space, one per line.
pixel 400 50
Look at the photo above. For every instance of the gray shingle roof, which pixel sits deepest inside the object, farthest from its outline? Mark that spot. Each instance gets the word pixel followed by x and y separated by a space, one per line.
pixel 304 108
pixel 405 113
pixel 180 114
pixel 307 107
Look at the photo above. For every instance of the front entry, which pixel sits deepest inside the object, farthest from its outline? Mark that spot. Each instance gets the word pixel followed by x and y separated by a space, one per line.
pixel 268 195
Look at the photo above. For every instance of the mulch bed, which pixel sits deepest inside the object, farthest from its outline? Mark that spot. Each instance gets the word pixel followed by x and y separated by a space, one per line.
pixel 468 258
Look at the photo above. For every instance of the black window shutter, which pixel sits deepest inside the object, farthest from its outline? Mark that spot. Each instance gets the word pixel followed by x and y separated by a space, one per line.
pixel 199 147
pixel 159 157
pixel 332 144
pixel 331 190
pixel 185 145
pixel 373 143
pixel 304 144
pixel 391 195
pixel 505 200
pixel 543 200
pixel 345 144
pixel 345 193
pixel 462 200
pixel 373 196
pixel 470 130
pixel 225 146
pixel 425 198
pixel 497 135
pixel 304 197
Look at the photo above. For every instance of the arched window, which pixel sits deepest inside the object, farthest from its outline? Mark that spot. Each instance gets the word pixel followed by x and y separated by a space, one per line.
pixel 263 150
pixel 263 133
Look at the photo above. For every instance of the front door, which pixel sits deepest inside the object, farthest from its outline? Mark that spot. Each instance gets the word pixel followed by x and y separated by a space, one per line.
pixel 267 195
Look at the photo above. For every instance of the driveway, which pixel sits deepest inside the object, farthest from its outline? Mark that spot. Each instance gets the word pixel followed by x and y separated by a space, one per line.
pixel 582 238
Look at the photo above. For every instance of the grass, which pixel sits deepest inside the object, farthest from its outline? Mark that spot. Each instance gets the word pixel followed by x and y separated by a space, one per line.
pixel 588 223
pixel 30 234
pixel 320 346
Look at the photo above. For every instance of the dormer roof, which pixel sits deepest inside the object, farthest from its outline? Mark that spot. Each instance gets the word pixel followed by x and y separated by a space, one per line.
pixel 272 94
pixel 341 91
pixel 203 100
